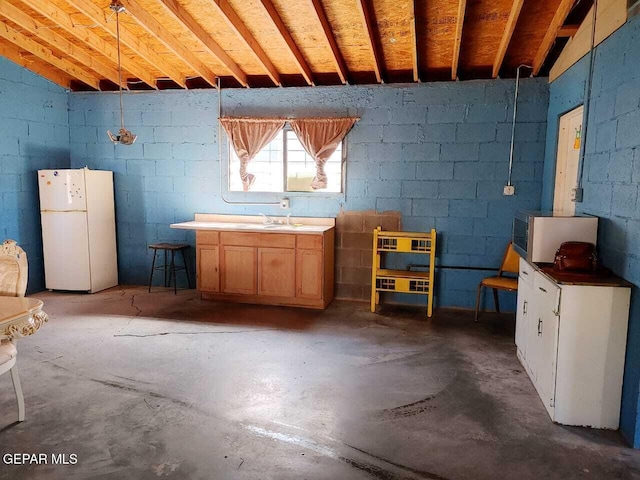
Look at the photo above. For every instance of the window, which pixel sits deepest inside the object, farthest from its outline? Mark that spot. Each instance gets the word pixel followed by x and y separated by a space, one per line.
pixel 284 166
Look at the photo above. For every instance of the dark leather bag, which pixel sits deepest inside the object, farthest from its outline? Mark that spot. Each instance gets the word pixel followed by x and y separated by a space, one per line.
pixel 576 257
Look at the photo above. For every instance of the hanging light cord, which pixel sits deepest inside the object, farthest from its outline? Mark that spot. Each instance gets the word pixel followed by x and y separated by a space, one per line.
pixel 119 68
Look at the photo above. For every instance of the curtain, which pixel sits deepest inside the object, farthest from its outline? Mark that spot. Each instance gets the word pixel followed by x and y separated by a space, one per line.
pixel 248 136
pixel 320 137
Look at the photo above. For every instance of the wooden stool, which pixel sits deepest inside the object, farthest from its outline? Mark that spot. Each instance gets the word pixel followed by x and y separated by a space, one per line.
pixel 171 268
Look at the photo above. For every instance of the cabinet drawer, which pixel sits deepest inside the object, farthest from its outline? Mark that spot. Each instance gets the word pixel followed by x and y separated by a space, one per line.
pixel 309 242
pixel 207 238
pixel 546 292
pixel 526 271
pixel 248 239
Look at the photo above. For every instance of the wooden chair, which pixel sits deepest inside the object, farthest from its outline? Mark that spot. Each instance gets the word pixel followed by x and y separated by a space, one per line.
pixel 510 264
pixel 13 283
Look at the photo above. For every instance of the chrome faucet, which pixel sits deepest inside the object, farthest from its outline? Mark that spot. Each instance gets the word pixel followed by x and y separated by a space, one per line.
pixel 288 219
pixel 267 220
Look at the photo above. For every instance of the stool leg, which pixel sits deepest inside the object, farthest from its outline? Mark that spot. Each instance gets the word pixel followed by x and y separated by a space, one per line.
pixel 166 283
pixel 153 266
pixel 186 270
pixel 173 271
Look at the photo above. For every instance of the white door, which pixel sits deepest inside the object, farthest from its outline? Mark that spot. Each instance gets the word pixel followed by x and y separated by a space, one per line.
pixel 65 244
pixel 62 190
pixel 569 141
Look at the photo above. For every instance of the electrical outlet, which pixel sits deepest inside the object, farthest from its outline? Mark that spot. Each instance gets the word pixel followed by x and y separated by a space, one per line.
pixel 509 190
pixel 284 203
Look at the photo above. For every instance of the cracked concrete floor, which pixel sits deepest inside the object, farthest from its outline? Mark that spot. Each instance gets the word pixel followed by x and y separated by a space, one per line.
pixel 142 385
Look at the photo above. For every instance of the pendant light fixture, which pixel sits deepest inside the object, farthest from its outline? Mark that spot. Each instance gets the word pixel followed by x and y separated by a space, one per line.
pixel 124 136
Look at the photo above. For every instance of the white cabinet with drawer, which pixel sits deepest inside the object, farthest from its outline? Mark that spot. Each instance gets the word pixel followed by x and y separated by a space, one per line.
pixel 571 339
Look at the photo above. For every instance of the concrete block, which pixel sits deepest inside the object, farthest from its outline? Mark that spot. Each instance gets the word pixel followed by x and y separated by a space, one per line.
pixel 465 244
pixel 525 131
pixel 460 152
pixel 624 200
pixel 473 171
pixel 385 153
pixel 628 134
pixel 476 132
pixel 10 183
pixel 597 198
pixel 421 152
pixel 397 170
pixel 454 189
pixel 10 146
pixel 173 168
pixel 157 151
pixel 435 171
pixel 350 222
pixel 408 115
pixel 366 134
pixel 356 240
pixel 158 184
pixel 400 134
pixel 620 167
pixel 430 207
pixel 628 96
pixel 389 221
pixel 606 136
pixel 382 188
pixel 486 113
pixel 446 114
pixel 419 189
pixel 396 204
pixel 439 133
pixel 603 108
pixel 157 118
pixel 468 208
pixel 494 152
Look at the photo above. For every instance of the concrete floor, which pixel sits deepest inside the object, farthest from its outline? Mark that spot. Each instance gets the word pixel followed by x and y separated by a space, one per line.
pixel 142 385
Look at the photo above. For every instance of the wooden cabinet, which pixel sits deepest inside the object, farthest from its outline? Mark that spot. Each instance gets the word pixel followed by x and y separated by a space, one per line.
pixel 266 268
pixel 571 339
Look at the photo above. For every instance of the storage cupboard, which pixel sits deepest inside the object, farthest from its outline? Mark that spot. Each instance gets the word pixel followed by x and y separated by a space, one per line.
pixel 571 340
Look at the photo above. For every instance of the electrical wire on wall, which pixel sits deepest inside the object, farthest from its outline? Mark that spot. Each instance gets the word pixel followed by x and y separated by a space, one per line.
pixel 587 103
pixel 508 188
pixel 222 163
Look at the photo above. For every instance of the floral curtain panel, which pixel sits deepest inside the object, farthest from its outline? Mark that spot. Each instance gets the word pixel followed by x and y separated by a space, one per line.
pixel 248 136
pixel 320 137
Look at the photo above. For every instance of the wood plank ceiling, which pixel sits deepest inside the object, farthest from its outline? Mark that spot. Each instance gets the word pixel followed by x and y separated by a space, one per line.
pixel 267 43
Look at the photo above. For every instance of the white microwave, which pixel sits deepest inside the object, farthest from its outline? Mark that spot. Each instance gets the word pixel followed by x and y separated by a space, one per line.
pixel 538 235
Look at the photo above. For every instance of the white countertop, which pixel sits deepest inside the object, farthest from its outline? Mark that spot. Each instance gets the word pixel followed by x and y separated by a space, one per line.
pixel 251 227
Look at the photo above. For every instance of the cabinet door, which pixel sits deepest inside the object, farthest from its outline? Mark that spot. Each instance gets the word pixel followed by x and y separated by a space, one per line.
pixel 208 269
pixel 547 296
pixel 309 271
pixel 276 272
pixel 523 316
pixel 239 269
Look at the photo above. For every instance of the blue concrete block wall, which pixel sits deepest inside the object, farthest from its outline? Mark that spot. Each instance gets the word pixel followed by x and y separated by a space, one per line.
pixel 611 177
pixel 438 153
pixel 35 135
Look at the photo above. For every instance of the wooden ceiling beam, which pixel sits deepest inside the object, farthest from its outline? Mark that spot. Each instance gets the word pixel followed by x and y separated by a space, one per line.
pixel 99 16
pixel 341 67
pixel 514 14
pixel 288 40
pixel 181 15
pixel 457 41
pixel 367 22
pixel 165 37
pixel 414 40
pixel 90 39
pixel 552 33
pixel 50 73
pixel 52 39
pixel 568 31
pixel 238 26
pixel 44 53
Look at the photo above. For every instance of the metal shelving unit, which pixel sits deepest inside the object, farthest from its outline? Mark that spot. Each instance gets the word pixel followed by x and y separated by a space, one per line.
pixel 402 281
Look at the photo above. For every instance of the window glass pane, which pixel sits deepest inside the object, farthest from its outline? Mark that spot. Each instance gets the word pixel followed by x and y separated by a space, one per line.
pixel 267 166
pixel 301 168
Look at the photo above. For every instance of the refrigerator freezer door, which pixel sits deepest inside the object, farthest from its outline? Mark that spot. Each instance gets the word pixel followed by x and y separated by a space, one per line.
pixel 65 244
pixel 62 190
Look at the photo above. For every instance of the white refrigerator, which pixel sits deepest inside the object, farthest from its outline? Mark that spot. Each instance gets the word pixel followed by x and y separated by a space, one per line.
pixel 78 229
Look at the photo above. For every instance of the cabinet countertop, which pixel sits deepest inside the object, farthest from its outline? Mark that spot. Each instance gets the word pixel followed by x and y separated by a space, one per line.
pixel 252 227
pixel 604 279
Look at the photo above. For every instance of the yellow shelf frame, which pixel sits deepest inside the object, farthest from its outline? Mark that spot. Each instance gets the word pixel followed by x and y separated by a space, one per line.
pixel 402 281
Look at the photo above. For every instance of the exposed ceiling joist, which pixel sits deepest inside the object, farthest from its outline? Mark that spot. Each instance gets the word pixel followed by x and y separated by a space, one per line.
pixel 98 15
pixel 44 53
pixel 414 41
pixel 52 39
pixel 236 23
pixel 90 39
pixel 44 70
pixel 367 22
pixel 462 6
pixel 288 40
pixel 552 33
pixel 185 18
pixel 341 67
pixel 568 31
pixel 156 29
pixel 514 14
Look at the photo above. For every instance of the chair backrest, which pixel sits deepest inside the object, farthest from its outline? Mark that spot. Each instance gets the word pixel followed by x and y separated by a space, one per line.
pixel 510 261
pixel 14 270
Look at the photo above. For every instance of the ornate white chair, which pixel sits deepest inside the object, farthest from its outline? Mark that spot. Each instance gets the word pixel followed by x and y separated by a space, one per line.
pixel 13 283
